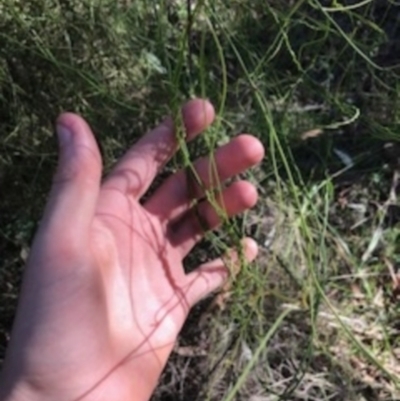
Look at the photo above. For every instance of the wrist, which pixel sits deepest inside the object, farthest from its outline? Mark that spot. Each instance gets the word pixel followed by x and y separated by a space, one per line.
pixel 133 378
pixel 15 390
pixel 138 388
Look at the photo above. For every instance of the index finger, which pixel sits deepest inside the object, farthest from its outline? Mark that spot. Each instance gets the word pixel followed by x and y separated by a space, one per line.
pixel 137 169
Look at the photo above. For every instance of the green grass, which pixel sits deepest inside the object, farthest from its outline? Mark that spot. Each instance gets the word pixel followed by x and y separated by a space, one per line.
pixel 316 317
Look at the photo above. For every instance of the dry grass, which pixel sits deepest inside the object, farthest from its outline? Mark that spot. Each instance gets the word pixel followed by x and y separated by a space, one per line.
pixel 317 317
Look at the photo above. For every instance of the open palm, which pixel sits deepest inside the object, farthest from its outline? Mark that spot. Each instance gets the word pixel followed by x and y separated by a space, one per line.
pixel 105 293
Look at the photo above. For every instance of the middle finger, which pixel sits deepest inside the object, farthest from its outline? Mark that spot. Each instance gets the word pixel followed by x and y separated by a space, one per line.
pixel 174 197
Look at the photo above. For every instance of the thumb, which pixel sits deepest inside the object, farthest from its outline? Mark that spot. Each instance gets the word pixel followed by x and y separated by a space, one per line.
pixel 73 196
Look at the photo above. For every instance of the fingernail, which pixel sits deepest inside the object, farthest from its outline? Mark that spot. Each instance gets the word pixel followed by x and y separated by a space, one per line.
pixel 64 135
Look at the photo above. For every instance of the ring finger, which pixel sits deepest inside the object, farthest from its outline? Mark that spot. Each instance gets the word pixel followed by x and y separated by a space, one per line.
pixel 186 232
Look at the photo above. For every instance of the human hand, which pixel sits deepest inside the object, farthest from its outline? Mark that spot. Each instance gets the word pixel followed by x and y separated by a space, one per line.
pixel 104 294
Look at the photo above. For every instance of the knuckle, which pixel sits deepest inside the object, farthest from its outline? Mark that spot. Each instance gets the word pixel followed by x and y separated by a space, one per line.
pixel 82 166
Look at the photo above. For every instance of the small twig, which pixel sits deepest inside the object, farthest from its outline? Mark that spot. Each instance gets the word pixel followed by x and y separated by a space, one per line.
pixel 189 37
